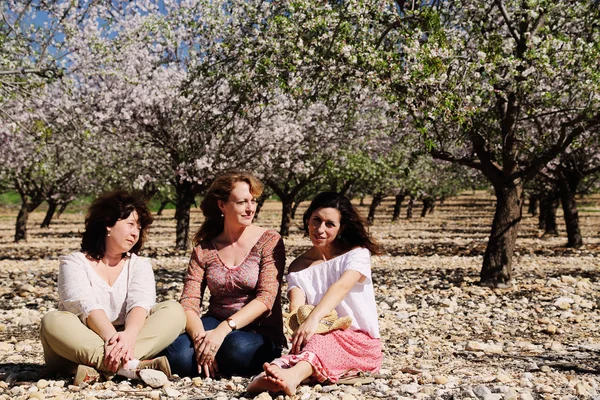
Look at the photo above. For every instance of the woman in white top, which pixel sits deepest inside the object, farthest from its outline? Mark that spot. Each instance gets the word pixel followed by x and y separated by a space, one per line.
pixel 333 274
pixel 108 320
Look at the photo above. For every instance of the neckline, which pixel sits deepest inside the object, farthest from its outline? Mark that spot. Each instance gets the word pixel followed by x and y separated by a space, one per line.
pixel 327 261
pixel 234 267
pixel 125 265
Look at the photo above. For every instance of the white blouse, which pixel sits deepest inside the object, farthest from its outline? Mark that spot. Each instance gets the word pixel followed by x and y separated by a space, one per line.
pixel 359 303
pixel 81 290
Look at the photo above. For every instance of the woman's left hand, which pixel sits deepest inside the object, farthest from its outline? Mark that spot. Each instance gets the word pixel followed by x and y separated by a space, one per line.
pixel 303 334
pixel 208 349
pixel 122 348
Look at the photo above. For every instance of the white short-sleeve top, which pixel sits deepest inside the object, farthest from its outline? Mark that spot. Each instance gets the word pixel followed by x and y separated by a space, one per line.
pixel 359 303
pixel 81 290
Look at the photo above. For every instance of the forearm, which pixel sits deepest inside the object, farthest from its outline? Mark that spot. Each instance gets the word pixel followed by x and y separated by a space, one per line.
pixel 248 314
pixel 193 324
pixel 335 294
pixel 99 323
pixel 136 318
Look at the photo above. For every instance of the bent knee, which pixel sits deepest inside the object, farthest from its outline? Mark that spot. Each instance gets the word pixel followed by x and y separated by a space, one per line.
pixel 54 321
pixel 174 311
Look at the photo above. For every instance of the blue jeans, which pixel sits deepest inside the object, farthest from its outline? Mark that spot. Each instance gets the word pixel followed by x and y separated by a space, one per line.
pixel 242 353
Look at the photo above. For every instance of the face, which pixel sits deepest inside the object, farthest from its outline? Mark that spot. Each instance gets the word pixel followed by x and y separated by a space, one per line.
pixel 124 234
pixel 324 226
pixel 240 208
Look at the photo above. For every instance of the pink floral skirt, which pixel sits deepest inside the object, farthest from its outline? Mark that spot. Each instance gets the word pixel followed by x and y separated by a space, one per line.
pixel 336 354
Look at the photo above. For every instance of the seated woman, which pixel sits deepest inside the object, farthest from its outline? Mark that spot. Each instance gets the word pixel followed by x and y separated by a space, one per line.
pixel 335 273
pixel 108 320
pixel 242 265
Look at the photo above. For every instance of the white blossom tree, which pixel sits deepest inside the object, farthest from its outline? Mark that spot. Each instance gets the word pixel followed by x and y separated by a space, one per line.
pixel 503 87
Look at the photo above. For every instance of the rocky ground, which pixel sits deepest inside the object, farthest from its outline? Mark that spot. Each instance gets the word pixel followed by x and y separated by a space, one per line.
pixel 444 336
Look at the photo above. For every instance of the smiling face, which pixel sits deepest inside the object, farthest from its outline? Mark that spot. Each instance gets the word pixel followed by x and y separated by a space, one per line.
pixel 240 208
pixel 124 234
pixel 324 226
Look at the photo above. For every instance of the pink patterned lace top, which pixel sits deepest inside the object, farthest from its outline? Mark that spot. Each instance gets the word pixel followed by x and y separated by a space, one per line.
pixel 258 277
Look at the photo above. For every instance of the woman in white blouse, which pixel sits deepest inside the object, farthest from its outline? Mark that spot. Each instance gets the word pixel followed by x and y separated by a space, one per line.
pixel 107 319
pixel 335 273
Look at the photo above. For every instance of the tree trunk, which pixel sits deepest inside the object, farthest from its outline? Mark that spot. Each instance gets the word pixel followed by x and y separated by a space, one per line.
pixel 397 205
pixel 497 261
pixel 533 204
pixel 52 205
pixel 260 202
pixel 568 187
pixel 286 216
pixel 62 209
pixel 431 208
pixel 361 201
pixel 183 203
pixel 409 207
pixel 27 206
pixel 377 198
pixel 547 217
pixel 162 206
pixel 427 206
pixel 294 209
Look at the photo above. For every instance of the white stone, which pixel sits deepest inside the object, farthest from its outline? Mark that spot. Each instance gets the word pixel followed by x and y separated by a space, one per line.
pixel 583 389
pixel 493 348
pixel 42 383
pixel 154 395
pixel 230 386
pixel 412 388
pixel 6 347
pixel 170 392
pixel 153 378
pixel 493 396
pixel 263 396
pixel 481 390
pixel 568 279
pixel 197 381
pixel 564 303
pixel 526 396
pixel 475 346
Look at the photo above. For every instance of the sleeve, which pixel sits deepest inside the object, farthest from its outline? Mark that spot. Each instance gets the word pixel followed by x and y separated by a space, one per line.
pixel 75 289
pixel 292 282
pixel 190 297
pixel 272 265
pixel 359 260
pixel 141 291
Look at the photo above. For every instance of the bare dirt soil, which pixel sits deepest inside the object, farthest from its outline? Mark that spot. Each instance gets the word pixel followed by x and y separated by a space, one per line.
pixel 444 336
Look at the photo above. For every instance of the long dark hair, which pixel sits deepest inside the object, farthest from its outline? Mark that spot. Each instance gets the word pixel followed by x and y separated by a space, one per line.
pixel 105 211
pixel 353 225
pixel 220 189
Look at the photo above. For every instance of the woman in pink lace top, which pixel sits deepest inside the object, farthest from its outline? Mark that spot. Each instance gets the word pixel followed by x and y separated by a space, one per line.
pixel 242 266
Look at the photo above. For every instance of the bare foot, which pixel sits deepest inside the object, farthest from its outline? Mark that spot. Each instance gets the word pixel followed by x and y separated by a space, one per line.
pixel 265 382
pixel 287 378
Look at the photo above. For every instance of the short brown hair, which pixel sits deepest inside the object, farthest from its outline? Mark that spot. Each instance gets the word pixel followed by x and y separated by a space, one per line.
pixel 105 211
pixel 220 189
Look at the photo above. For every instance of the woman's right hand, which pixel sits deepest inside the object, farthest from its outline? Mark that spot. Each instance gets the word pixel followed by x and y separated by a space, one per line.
pixel 303 334
pixel 209 368
pixel 206 349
